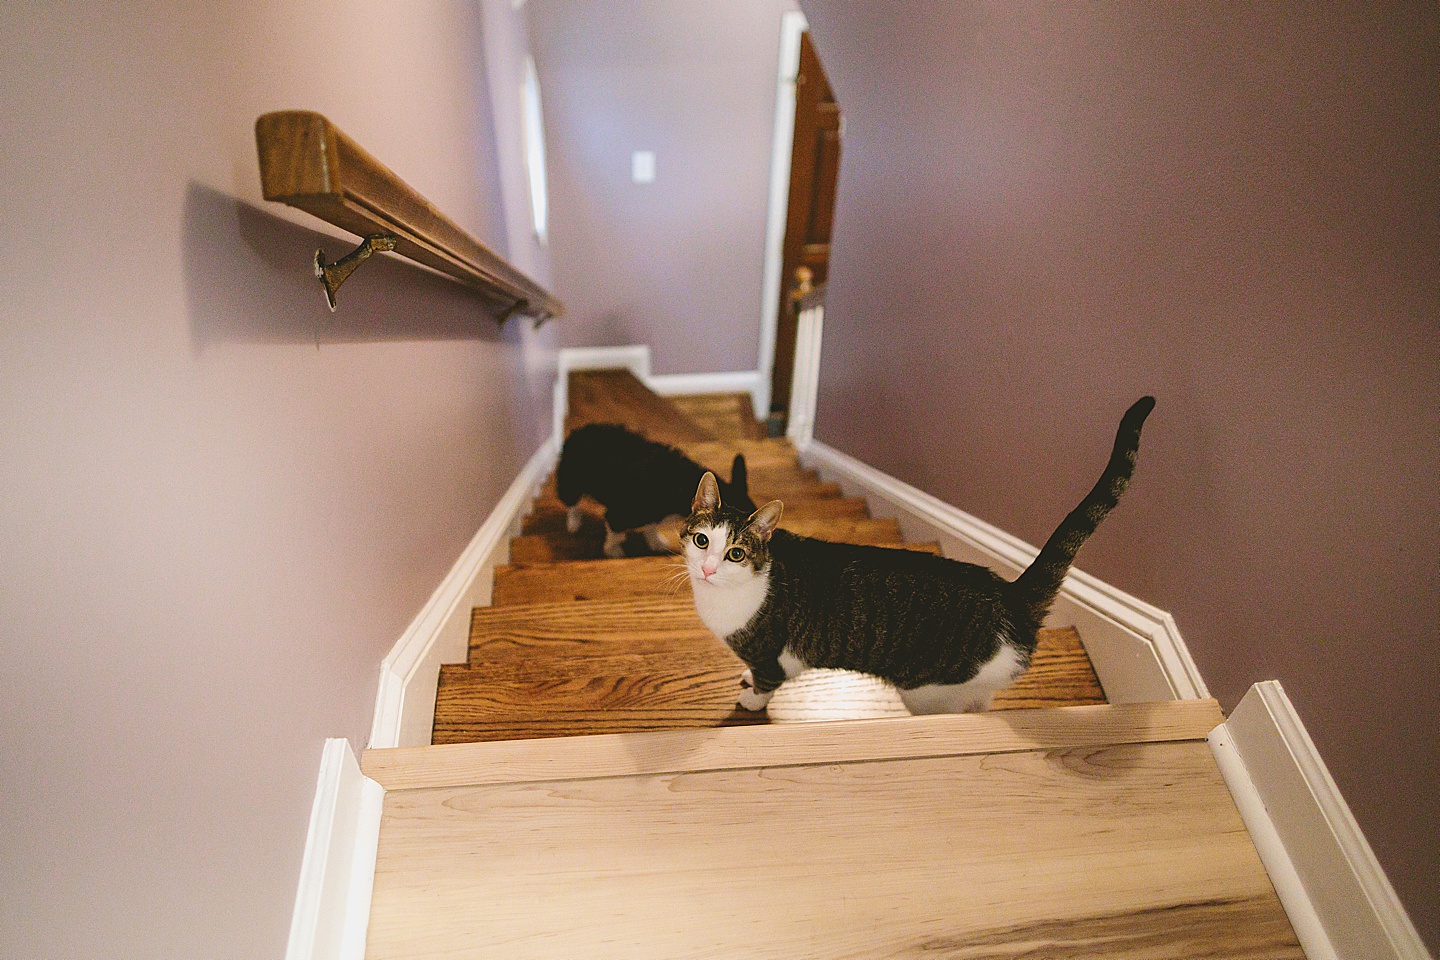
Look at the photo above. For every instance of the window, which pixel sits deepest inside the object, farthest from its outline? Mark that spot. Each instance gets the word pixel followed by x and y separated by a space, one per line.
pixel 535 148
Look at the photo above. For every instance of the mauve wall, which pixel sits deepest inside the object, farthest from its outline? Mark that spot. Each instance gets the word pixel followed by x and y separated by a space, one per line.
pixel 675 263
pixel 1048 210
pixel 220 505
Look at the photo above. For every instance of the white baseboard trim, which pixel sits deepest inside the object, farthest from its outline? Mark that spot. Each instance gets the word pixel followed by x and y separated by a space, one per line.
pixel 337 874
pixel 678 384
pixel 1336 894
pixel 1276 859
pixel 636 359
pixel 1137 650
pixel 405 703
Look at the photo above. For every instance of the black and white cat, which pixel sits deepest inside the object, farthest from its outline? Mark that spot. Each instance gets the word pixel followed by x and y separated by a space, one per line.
pixel 639 482
pixel 947 634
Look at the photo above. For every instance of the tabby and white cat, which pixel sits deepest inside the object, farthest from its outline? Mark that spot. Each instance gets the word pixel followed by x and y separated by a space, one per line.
pixel 948 634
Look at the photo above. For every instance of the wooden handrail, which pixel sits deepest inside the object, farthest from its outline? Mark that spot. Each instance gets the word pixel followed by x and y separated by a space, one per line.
pixel 308 163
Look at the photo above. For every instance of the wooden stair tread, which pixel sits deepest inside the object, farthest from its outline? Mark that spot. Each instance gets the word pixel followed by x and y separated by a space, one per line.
pixel 761 490
pixel 661 752
pixel 556 581
pixel 588 629
pixel 730 416
pixel 759 454
pixel 793 480
pixel 618 396
pixel 551 518
pixel 576 643
pixel 881 532
pixel 644 661
pixel 1087 831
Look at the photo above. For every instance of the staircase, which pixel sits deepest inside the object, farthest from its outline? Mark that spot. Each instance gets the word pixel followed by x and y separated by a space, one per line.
pixel 1054 826
pixel 576 644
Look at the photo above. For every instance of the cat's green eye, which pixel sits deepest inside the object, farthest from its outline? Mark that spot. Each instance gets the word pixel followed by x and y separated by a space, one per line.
pixel 702 541
pixel 735 555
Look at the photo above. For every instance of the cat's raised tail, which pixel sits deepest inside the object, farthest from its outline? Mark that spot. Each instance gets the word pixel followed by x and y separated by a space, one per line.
pixel 1036 588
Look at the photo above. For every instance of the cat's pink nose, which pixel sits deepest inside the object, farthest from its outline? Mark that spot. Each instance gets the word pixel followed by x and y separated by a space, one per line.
pixel 709 566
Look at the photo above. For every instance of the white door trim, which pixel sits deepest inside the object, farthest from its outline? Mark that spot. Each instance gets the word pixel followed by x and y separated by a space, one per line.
pixel 792 25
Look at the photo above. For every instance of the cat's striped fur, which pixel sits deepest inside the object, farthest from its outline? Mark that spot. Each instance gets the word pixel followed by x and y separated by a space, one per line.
pixel 947 634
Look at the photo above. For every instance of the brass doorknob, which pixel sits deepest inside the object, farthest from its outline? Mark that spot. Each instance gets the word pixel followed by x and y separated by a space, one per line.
pixel 804 283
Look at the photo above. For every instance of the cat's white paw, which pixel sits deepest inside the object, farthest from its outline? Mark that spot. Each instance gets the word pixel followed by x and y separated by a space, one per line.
pixel 573 517
pixel 750 698
pixel 614 544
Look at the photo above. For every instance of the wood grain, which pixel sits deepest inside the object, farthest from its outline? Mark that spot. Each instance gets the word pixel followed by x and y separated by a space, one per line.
pixel 729 416
pixel 639 658
pixel 551 517
pixel 640 625
pixel 577 645
pixel 518 583
pixel 1060 674
pixel 1130 850
pixel 765 486
pixel 676 751
pixel 541 547
pixel 309 163
pixel 618 396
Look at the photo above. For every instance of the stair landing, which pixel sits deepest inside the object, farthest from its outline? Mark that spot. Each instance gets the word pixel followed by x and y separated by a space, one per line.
pixel 1102 831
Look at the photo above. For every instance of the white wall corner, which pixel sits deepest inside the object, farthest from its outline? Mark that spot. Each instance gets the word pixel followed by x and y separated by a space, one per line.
pixel 1316 854
pixel 337 874
pixel 440 633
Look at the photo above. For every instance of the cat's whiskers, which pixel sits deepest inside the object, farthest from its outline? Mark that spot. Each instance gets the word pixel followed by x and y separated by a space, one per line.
pixel 676 580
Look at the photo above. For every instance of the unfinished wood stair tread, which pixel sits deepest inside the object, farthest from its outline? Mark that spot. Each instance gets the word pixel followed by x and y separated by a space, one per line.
pixel 676 751
pixel 1077 832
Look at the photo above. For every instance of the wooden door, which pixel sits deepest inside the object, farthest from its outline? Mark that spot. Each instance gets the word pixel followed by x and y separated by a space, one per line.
pixel 814 169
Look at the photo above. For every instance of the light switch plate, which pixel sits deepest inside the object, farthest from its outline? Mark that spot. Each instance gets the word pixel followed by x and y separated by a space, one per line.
pixel 642 166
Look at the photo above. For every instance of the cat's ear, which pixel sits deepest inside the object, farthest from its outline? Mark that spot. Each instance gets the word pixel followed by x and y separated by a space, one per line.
pixel 707 496
pixel 738 478
pixel 763 522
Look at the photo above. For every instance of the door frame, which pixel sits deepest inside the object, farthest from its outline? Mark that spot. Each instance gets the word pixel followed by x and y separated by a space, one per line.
pixel 792 25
